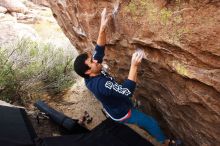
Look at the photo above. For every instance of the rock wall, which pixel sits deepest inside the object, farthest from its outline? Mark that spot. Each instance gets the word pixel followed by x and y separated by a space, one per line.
pixel 179 80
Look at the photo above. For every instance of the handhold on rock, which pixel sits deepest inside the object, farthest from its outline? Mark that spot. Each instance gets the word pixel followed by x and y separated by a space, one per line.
pixel 79 32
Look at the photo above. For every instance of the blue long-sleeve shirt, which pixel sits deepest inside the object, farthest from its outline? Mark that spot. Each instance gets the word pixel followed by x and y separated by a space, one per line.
pixel 114 97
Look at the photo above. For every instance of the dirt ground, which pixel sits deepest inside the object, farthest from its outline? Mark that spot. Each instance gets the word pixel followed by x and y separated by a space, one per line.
pixel 73 103
pixel 76 101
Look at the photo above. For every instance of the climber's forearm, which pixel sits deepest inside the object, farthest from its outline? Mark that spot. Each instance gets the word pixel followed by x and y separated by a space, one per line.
pixel 101 41
pixel 133 73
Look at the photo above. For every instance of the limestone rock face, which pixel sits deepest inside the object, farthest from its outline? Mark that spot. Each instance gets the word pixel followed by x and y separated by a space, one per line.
pixel 179 80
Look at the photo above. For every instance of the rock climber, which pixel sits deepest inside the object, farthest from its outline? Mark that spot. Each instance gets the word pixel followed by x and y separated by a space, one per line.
pixel 115 97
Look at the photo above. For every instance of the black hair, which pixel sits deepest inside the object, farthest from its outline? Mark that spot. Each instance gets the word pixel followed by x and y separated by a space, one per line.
pixel 79 65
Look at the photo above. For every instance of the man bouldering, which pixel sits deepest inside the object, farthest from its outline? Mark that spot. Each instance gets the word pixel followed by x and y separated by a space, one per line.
pixel 115 97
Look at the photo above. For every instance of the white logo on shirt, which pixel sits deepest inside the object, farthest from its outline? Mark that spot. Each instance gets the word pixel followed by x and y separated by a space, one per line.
pixel 118 88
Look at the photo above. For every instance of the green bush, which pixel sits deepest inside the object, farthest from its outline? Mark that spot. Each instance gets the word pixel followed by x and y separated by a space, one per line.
pixel 28 69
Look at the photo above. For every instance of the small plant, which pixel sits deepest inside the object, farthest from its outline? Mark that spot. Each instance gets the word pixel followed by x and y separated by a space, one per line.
pixel 165 15
pixel 139 8
pixel 180 69
pixel 29 68
pixel 132 8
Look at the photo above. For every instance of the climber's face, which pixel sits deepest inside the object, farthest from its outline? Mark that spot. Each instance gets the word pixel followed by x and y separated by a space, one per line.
pixel 95 68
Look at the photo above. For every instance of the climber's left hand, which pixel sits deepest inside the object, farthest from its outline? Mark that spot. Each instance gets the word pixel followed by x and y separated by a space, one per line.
pixel 104 19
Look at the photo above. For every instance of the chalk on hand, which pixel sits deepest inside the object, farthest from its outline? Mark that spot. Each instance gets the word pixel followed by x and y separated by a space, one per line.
pixel 116 8
pixel 140 51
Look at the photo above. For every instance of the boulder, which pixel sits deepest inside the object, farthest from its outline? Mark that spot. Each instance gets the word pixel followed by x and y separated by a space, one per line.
pixel 179 80
pixel 11 31
pixel 26 18
pixel 41 2
pixel 3 9
pixel 7 17
pixel 14 6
